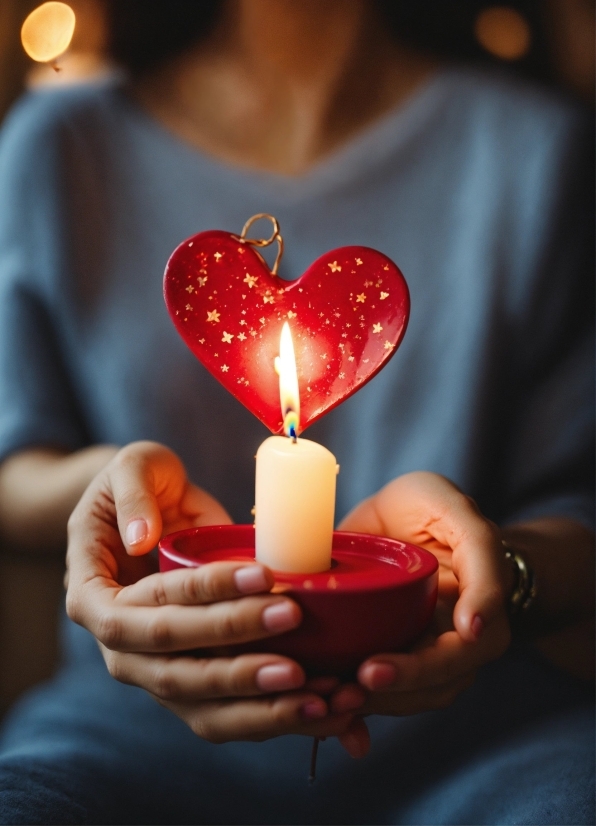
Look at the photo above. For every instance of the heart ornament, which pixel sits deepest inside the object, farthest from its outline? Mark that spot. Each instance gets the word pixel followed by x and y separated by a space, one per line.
pixel 347 315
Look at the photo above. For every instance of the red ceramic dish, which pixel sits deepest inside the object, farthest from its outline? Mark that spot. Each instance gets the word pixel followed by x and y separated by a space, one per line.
pixel 379 595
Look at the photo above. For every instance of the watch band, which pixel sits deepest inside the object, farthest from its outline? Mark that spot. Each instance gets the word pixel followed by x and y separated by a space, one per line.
pixel 524 591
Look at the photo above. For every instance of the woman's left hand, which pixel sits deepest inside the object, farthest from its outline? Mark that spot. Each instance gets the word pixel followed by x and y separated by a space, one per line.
pixel 470 626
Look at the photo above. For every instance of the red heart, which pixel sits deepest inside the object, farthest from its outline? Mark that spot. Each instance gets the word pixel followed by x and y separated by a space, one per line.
pixel 347 314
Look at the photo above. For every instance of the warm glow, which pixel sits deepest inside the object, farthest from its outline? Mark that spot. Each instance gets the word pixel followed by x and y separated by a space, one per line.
pixel 47 31
pixel 503 32
pixel 289 397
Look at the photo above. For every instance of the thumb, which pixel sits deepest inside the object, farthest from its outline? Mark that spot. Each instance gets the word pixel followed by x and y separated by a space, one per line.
pixel 356 740
pixel 481 569
pixel 145 479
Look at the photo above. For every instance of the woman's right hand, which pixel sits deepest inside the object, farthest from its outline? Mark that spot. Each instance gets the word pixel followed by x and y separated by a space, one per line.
pixel 144 620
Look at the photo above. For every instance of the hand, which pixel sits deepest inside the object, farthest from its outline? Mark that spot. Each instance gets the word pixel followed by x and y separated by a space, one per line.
pixel 143 620
pixel 470 626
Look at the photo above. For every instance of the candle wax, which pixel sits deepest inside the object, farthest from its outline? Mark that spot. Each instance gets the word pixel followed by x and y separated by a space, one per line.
pixel 295 505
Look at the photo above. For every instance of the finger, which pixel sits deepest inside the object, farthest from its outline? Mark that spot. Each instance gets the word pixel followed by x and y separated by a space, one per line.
pixel 188 679
pixel 349 697
pixel 145 479
pixel 258 719
pixel 484 578
pixel 214 582
pixel 405 703
pixel 172 628
pixel 356 740
pixel 449 658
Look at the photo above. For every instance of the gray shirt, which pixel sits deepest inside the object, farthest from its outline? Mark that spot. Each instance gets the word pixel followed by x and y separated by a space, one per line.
pixel 474 187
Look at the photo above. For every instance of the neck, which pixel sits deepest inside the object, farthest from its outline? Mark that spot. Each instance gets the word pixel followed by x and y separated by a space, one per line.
pixel 281 83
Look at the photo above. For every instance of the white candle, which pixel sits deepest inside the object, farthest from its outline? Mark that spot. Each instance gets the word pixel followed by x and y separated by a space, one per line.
pixel 295 487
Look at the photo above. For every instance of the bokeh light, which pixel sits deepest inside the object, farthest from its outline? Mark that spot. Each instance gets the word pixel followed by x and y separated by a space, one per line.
pixel 47 31
pixel 503 32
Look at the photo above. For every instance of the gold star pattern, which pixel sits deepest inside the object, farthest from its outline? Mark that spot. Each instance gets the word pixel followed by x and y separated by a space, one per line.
pixel 359 261
pixel 267 299
pixel 334 266
pixel 242 322
pixel 377 328
pixel 224 368
pixel 388 345
pixel 324 356
pixel 227 338
pixel 202 281
pixel 342 375
pixel 291 314
pixel 262 319
pixel 213 315
pixel 201 341
pixel 241 337
pixel 384 296
pixel 251 280
pixel 361 298
pixel 253 333
pixel 350 358
pixel 188 307
pixel 190 289
pixel 217 256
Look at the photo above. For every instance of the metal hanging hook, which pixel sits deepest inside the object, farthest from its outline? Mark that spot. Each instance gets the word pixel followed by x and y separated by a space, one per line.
pixel 264 242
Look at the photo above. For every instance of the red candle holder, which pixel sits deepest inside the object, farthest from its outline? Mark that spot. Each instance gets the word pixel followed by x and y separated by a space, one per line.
pixel 378 596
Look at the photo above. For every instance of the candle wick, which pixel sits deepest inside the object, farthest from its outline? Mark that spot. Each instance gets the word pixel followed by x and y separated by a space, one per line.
pixel 313 761
pixel 293 435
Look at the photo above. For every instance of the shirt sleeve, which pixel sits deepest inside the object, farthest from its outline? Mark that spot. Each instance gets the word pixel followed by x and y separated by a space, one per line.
pixel 37 404
pixel 550 449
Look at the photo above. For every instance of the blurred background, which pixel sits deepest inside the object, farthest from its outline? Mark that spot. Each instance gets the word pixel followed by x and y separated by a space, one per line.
pixel 549 42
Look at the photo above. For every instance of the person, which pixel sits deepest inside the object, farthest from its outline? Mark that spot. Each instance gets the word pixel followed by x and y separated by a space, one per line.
pixel 476 187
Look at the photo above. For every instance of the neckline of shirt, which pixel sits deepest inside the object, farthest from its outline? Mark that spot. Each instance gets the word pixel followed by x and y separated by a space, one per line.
pixel 367 149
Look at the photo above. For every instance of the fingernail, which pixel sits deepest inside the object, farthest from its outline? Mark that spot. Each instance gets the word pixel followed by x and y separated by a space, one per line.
pixel 477 626
pixel 250 580
pixel 314 710
pixel 279 677
pixel 380 675
pixel 136 532
pixel 281 617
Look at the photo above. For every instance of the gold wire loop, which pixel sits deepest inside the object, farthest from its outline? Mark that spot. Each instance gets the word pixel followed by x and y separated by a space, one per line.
pixel 264 242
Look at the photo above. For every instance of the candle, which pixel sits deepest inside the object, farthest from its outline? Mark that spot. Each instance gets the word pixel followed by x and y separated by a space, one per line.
pixel 295 486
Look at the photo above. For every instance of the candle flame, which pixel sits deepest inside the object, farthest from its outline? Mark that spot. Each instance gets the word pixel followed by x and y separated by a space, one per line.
pixel 289 397
pixel 47 31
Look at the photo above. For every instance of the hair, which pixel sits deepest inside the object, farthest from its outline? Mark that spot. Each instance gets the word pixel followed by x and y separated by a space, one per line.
pixel 142 34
